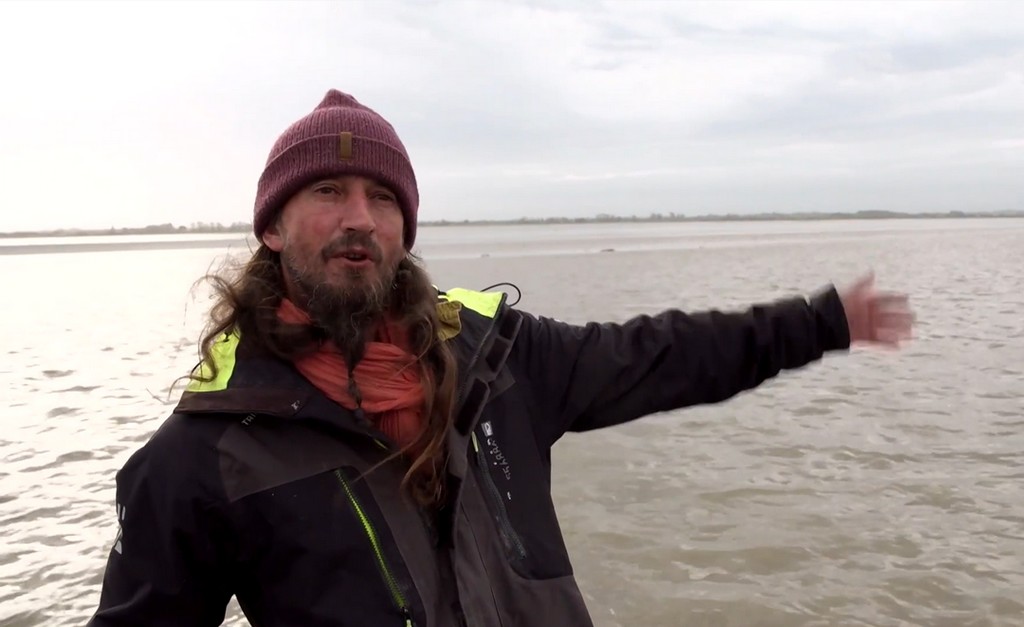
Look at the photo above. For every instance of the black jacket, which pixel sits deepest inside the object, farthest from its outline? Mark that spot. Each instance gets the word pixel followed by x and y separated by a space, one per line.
pixel 254 486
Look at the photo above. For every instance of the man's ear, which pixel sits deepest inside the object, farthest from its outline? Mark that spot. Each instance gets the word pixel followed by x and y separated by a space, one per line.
pixel 272 236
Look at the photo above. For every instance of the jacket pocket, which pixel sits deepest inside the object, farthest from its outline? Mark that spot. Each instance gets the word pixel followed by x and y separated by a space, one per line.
pixel 556 601
pixel 373 539
pixel 513 487
pixel 515 549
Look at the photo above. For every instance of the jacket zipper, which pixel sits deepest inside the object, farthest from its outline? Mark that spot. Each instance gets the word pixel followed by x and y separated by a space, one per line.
pixel 371 534
pixel 499 504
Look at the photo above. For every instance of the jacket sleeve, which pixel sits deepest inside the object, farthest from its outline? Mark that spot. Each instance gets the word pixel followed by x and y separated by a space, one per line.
pixel 597 375
pixel 166 566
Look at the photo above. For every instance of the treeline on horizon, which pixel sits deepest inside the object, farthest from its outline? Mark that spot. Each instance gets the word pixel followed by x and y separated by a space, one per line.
pixel 244 227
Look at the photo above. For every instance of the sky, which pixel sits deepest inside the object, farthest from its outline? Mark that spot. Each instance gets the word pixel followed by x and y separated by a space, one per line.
pixel 128 114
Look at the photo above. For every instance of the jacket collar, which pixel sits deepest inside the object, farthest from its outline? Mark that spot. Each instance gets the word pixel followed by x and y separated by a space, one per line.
pixel 250 383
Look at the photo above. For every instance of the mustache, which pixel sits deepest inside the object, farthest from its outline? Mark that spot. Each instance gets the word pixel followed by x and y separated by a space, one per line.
pixel 351 241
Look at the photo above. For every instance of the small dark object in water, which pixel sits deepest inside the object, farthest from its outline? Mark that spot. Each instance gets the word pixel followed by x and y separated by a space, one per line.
pixel 607 250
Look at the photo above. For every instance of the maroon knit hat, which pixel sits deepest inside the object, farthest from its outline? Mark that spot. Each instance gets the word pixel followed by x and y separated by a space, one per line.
pixel 341 136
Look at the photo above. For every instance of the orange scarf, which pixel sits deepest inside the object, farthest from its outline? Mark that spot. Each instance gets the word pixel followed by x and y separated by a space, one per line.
pixel 387 376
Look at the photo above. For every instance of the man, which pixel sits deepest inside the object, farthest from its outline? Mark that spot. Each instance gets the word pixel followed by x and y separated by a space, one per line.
pixel 358 448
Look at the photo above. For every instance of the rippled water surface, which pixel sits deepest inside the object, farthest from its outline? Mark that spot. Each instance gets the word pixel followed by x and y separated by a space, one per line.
pixel 869 489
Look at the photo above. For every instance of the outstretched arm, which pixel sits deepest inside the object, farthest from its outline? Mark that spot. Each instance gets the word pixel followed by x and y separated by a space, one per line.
pixel 597 375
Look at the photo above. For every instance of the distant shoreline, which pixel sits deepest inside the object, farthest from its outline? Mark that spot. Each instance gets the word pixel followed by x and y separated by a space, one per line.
pixel 242 228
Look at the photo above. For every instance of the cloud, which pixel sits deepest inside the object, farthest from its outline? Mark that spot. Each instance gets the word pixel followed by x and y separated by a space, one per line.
pixel 135 113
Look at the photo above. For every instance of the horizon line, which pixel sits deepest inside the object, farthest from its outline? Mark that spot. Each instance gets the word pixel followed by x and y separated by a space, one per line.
pixel 169 228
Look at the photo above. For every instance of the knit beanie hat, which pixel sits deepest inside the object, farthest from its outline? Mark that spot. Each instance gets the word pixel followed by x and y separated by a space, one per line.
pixel 340 136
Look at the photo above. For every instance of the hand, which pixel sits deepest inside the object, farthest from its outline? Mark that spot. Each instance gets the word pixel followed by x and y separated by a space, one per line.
pixel 874 317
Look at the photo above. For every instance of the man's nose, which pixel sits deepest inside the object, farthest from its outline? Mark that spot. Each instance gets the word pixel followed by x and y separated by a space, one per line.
pixel 356 215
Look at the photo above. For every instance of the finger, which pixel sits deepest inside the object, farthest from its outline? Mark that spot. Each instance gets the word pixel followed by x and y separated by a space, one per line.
pixel 865 281
pixel 890 304
pixel 897 333
pixel 890 299
pixel 889 338
pixel 894 319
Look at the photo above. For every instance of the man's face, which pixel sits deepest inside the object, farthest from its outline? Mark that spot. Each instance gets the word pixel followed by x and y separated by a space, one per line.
pixel 340 241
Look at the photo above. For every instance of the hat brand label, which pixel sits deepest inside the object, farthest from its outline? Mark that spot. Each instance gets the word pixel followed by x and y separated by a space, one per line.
pixel 345 151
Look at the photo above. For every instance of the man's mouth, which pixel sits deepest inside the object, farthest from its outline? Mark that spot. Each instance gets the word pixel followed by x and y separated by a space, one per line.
pixel 354 256
pixel 353 253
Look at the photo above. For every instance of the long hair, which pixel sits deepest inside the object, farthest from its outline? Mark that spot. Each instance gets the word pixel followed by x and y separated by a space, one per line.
pixel 249 301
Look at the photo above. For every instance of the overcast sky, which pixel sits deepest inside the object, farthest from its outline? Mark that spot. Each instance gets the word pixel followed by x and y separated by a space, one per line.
pixel 130 114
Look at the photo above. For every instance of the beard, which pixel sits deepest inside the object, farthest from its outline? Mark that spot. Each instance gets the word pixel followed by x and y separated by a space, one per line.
pixel 346 311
